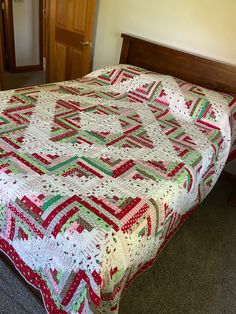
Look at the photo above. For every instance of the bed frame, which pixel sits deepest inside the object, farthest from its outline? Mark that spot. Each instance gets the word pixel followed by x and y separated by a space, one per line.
pixel 152 56
pixel 191 68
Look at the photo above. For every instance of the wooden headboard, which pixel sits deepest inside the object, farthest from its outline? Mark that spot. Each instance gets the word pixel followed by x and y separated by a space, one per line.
pixel 191 68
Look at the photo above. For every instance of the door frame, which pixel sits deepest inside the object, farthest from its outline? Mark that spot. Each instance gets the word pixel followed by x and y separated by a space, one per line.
pixel 1 54
pixel 10 40
pixel 1 70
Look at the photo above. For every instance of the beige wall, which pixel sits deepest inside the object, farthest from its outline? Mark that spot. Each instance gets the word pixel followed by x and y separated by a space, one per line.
pixel 205 27
pixel 26 31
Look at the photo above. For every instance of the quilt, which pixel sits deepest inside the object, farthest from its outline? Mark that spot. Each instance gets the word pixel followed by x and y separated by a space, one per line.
pixel 96 174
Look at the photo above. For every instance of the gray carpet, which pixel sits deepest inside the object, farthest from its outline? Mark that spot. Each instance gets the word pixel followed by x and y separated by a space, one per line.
pixel 23 79
pixel 195 274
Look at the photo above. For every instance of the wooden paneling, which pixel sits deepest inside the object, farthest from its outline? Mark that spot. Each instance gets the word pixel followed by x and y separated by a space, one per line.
pixel 79 23
pixel 62 13
pixel 76 63
pixel 68 38
pixel 71 14
pixel 60 50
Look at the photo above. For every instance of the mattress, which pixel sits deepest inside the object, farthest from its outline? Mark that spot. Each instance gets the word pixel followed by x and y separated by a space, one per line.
pixel 96 174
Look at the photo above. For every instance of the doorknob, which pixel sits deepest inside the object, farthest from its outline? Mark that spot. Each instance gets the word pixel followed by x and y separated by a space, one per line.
pixel 85 43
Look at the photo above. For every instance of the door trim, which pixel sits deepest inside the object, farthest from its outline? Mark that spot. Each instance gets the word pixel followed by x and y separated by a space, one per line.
pixel 10 42
pixel 1 67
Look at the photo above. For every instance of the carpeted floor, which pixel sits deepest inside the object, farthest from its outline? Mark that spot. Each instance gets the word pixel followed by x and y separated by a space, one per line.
pixel 23 79
pixel 195 274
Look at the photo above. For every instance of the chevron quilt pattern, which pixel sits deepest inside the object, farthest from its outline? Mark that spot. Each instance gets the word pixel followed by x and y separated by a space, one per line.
pixel 96 174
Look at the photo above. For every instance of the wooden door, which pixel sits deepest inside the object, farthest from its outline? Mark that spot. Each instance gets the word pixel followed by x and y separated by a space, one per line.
pixel 69 34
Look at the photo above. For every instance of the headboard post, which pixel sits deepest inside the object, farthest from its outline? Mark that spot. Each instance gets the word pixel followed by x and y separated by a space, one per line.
pixel 124 50
pixel 191 68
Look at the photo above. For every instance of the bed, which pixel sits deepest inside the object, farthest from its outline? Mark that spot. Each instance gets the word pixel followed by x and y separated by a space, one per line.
pixel 98 173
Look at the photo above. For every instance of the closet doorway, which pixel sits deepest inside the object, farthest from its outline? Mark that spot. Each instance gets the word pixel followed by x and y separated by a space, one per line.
pixel 22 42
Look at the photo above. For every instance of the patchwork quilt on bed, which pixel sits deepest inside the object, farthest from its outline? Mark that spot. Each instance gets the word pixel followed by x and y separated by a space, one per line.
pixel 96 174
